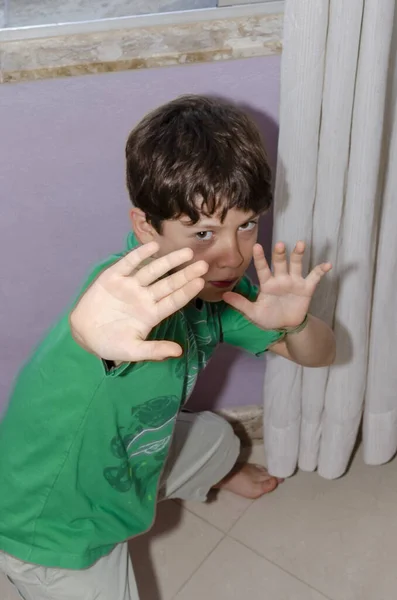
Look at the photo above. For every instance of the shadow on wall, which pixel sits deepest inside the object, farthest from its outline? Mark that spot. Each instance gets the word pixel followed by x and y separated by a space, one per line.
pixel 212 382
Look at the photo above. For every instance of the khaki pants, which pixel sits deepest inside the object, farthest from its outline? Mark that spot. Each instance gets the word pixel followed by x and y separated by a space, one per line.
pixel 204 450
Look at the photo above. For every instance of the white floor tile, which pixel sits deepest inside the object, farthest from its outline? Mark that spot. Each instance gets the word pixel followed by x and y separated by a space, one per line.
pixel 167 557
pixel 233 572
pixel 223 509
pixel 338 536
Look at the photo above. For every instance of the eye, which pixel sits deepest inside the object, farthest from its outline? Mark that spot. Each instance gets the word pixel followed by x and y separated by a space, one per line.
pixel 204 236
pixel 248 226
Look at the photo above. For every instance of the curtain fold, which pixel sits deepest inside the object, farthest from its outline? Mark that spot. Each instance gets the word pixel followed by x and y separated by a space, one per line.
pixel 334 189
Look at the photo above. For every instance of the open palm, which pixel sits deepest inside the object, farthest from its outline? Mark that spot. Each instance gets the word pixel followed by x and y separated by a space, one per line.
pixel 115 316
pixel 284 295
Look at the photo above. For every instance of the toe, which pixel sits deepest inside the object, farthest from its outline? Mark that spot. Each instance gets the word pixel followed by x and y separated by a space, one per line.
pixel 269 485
pixel 263 472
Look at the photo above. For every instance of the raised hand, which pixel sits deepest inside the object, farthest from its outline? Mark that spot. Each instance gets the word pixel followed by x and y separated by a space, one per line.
pixel 117 313
pixel 284 295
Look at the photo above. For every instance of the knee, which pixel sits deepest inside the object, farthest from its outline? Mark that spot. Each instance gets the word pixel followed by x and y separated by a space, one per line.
pixel 221 435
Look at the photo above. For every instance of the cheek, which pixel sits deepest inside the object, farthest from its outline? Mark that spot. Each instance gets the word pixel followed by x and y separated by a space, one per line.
pixel 199 253
pixel 201 250
pixel 211 252
pixel 208 253
pixel 247 247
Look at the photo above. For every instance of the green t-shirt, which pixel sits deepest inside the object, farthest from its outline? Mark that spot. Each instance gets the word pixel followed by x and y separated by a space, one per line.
pixel 83 447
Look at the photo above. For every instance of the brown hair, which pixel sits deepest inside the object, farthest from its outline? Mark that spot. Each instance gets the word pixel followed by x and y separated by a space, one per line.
pixel 197 148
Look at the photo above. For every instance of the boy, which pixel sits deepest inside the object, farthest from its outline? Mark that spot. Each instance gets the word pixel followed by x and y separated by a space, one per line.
pixel 94 435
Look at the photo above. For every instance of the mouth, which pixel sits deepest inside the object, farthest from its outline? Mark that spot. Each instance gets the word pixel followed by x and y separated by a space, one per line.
pixel 224 284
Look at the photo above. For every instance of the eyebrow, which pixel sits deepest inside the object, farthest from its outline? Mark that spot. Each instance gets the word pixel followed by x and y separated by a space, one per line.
pixel 214 225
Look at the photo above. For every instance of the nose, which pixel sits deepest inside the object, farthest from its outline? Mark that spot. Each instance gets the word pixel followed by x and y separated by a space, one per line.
pixel 230 256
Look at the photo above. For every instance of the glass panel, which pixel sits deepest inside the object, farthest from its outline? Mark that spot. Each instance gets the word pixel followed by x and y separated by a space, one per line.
pixel 239 2
pixel 41 12
pixel 2 13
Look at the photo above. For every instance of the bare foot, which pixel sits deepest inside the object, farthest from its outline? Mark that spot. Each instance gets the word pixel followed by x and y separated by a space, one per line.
pixel 249 481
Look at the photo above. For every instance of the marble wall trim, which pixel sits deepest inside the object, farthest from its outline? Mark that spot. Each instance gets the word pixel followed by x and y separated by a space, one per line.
pixel 158 46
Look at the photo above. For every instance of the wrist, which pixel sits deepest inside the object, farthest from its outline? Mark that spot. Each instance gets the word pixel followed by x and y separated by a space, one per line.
pixel 295 330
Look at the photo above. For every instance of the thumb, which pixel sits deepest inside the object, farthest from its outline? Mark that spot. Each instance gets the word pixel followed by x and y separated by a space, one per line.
pixel 155 351
pixel 238 302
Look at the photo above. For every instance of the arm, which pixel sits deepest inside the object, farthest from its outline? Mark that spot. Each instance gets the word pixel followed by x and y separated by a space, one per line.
pixel 312 347
pixel 283 301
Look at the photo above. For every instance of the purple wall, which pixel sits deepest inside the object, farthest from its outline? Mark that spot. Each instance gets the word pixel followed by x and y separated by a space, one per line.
pixel 64 204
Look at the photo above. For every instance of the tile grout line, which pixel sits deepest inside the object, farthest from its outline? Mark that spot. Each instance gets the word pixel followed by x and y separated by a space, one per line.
pixel 227 535
pixel 224 535
pixel 202 562
pixel 326 597
pixel 215 526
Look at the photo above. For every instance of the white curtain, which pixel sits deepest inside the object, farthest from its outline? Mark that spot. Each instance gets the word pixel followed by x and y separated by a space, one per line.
pixel 336 188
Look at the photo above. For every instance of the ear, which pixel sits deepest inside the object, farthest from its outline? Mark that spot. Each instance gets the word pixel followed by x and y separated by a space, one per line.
pixel 144 231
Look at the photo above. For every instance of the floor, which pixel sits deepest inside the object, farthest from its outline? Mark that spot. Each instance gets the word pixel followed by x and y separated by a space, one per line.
pixel 311 540
pixel 40 12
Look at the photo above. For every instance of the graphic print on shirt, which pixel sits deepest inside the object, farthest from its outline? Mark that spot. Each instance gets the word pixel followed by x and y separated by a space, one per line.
pixel 198 353
pixel 142 447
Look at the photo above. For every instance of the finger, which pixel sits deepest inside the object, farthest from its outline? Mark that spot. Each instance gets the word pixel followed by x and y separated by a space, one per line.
pixel 131 261
pixel 280 266
pixel 315 276
pixel 238 302
pixel 296 261
pixel 153 350
pixel 177 280
pixel 159 267
pixel 178 299
pixel 261 264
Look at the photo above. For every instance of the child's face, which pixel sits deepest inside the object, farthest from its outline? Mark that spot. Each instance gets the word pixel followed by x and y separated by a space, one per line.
pixel 226 247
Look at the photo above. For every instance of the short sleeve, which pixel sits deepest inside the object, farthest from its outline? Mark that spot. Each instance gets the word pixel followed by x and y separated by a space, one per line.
pixel 238 331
